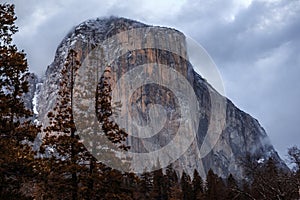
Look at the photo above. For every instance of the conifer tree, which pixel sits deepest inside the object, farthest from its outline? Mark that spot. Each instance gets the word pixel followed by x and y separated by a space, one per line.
pixel 114 185
pixel 16 127
pixel 62 140
pixel 232 188
pixel 146 185
pixel 175 192
pixel 66 154
pixel 186 186
pixel 173 188
pixel 159 185
pixel 131 185
pixel 197 185
pixel 105 111
pixel 215 187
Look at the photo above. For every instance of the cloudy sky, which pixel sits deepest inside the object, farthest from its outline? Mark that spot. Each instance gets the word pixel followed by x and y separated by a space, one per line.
pixel 254 43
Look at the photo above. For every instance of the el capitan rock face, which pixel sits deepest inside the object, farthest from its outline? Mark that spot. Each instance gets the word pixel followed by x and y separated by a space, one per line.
pixel 240 134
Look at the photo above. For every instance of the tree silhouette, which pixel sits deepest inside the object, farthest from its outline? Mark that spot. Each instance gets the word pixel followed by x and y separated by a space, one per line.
pixel 66 154
pixel 215 188
pixel 173 188
pixel 17 130
pixel 64 146
pixel 146 185
pixel 197 185
pixel 186 186
pixel 232 188
pixel 159 185
pixel 105 111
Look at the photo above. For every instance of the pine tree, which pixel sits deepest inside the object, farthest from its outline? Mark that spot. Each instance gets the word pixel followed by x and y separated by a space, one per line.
pixel 131 184
pixel 68 155
pixel 197 185
pixel 173 188
pixel 105 111
pixel 16 127
pixel 232 188
pixel 115 186
pixel 159 185
pixel 175 192
pixel 186 186
pixel 215 188
pixel 146 185
pixel 71 158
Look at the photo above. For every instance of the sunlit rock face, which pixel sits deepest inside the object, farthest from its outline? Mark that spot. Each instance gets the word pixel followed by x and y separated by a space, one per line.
pixel 239 134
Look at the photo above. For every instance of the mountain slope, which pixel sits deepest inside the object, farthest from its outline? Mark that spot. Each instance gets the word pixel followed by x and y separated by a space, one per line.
pixel 241 134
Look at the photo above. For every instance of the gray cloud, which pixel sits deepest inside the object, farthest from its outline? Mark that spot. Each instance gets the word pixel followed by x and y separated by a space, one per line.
pixel 255 44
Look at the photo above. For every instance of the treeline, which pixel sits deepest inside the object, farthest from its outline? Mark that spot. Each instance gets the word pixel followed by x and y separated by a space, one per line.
pixel 50 179
pixel 63 168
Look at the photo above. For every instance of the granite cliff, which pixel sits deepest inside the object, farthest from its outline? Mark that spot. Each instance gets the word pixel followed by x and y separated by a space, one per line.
pixel 240 134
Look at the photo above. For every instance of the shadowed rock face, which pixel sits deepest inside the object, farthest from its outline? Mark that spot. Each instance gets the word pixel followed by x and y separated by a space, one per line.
pixel 240 134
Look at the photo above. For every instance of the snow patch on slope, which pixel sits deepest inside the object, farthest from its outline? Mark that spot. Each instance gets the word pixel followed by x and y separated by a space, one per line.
pixel 35 100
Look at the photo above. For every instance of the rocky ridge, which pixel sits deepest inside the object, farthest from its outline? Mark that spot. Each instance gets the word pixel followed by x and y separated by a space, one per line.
pixel 241 133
